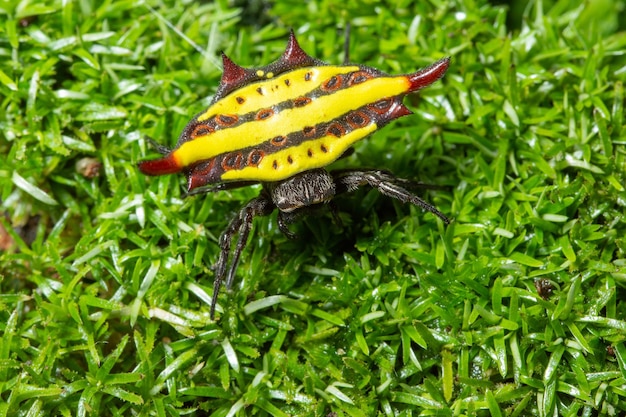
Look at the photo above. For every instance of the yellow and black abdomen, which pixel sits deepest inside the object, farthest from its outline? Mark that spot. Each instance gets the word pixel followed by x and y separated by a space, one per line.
pixel 294 115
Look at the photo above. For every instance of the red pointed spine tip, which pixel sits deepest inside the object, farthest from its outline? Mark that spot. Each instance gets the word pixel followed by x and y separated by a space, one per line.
pixel 399 110
pixel 161 166
pixel 233 73
pixel 201 175
pixel 195 181
pixel 294 55
pixel 427 76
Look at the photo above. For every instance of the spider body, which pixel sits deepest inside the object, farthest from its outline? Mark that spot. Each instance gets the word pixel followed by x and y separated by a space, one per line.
pixel 280 126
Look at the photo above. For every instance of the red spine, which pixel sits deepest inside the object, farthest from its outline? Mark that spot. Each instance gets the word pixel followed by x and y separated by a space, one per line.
pixel 161 166
pixel 427 76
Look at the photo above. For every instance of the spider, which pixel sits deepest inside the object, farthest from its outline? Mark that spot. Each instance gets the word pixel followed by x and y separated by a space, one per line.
pixel 281 125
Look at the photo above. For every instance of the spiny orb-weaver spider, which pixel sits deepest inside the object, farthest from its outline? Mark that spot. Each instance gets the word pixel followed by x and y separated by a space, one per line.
pixel 281 125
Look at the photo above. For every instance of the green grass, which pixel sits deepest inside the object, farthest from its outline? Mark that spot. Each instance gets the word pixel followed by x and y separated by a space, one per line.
pixel 105 280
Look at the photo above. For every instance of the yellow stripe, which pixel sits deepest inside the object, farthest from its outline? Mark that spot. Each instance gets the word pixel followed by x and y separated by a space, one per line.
pixel 301 161
pixel 274 90
pixel 320 110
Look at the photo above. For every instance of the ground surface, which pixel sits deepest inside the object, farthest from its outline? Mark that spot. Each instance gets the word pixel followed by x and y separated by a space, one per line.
pixel 516 308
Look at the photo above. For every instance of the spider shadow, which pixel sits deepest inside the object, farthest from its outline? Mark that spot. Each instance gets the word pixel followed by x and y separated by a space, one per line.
pixel 322 243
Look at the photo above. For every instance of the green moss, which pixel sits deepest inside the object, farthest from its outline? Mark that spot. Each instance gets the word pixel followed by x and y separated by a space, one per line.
pixel 106 280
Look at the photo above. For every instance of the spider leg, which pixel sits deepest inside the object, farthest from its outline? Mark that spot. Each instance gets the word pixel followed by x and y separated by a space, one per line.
pixel 412 185
pixel 349 180
pixel 408 184
pixel 284 219
pixel 241 224
pixel 224 186
pixel 162 149
pixel 346 45
pixel 334 211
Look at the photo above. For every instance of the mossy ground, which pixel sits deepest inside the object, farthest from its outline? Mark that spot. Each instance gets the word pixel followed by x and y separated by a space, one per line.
pixel 105 280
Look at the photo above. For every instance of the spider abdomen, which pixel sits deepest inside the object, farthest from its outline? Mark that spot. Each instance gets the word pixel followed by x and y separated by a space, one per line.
pixel 291 116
